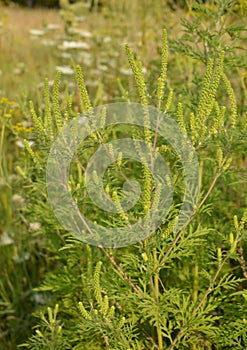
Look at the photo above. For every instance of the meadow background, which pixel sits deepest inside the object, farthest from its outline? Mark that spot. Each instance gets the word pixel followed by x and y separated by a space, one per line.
pixel 36 271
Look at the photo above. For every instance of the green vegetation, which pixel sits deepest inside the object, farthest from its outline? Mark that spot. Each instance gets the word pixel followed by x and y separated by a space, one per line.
pixel 175 289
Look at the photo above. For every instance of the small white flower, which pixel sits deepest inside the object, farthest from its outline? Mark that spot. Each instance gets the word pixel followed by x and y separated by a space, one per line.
pixel 83 33
pixel 26 124
pixel 18 200
pixel 17 71
pixel 20 144
pixel 34 226
pixel 36 32
pixel 5 239
pixel 144 70
pixel 65 70
pixel 125 71
pixel 67 45
pixel 53 26
pixel 19 259
pixel 107 39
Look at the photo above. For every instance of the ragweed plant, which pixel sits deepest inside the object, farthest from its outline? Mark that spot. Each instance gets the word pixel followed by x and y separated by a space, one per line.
pixel 182 289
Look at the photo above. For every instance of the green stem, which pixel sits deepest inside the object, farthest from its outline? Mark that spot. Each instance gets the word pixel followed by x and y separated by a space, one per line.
pixel 156 294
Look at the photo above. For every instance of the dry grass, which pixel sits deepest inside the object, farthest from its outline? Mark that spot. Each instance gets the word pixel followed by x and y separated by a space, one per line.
pixel 23 60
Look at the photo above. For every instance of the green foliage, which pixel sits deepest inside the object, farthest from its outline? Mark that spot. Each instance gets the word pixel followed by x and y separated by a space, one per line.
pixel 174 290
